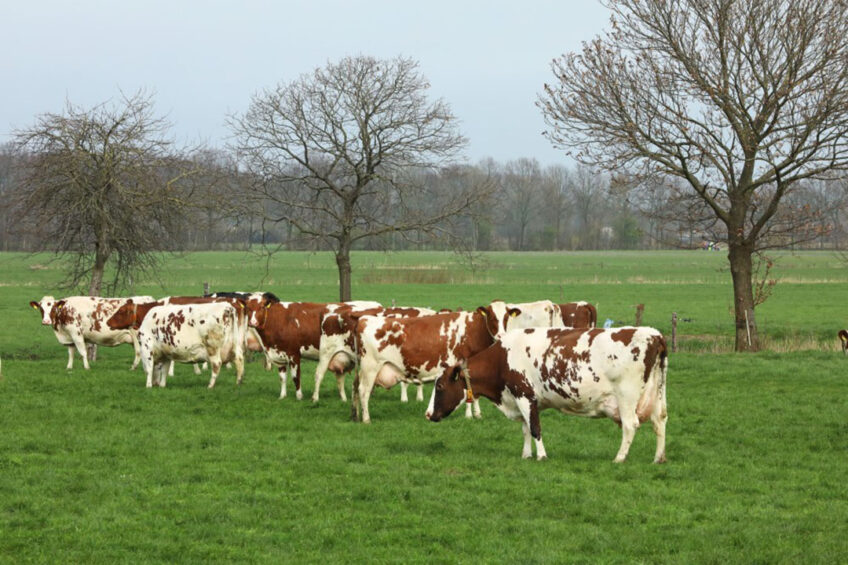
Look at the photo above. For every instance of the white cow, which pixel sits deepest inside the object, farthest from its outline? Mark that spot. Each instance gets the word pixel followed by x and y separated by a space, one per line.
pixel 188 333
pixel 78 320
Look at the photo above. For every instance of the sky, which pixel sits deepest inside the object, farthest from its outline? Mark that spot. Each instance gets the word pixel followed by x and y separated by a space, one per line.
pixel 203 60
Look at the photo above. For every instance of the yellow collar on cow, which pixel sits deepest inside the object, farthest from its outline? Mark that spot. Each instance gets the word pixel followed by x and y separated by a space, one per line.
pixel 469 394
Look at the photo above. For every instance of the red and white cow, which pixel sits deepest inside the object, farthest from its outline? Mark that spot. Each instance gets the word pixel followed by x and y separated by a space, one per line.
pixel 578 315
pixel 190 333
pixel 541 314
pixel 291 331
pixel 336 348
pixel 393 350
pixel 617 373
pixel 132 313
pixel 78 320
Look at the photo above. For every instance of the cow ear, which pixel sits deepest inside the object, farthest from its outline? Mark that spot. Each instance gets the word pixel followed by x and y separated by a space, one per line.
pixel 482 310
pixel 513 312
pixel 34 305
pixel 455 372
pixel 843 335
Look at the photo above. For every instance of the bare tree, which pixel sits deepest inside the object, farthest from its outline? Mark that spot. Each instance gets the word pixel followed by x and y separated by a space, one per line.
pixel 101 186
pixel 739 98
pixel 522 191
pixel 334 150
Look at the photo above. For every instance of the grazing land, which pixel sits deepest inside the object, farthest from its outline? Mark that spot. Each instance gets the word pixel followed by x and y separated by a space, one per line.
pixel 96 468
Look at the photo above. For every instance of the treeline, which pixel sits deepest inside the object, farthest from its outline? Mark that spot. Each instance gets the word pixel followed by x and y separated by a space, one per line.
pixel 527 207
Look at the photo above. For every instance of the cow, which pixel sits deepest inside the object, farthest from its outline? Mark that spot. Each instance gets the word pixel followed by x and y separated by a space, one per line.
pixel 618 373
pixel 578 315
pixel 336 349
pixel 78 320
pixel 501 316
pixel 291 331
pixel 843 336
pixel 189 333
pixel 132 313
pixel 393 350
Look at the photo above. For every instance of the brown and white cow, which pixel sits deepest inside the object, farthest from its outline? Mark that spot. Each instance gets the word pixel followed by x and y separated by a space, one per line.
pixel 617 373
pixel 502 316
pixel 578 315
pixel 190 333
pixel 78 320
pixel 336 348
pixel 393 350
pixel 291 331
pixel 132 313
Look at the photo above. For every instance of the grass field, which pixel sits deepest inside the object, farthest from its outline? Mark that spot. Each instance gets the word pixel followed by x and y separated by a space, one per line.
pixel 96 468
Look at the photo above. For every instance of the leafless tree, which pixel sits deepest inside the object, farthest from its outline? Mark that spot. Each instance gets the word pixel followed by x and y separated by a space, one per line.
pixel 521 184
pixel 739 98
pixel 101 187
pixel 335 149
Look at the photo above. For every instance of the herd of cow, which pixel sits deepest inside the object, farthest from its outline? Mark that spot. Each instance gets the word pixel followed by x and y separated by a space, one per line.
pixel 523 357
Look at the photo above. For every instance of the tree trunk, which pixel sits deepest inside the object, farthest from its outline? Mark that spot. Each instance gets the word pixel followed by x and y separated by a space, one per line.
pixel 743 297
pixel 343 262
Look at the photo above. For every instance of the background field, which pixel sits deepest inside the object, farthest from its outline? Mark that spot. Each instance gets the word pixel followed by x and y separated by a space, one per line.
pixel 95 468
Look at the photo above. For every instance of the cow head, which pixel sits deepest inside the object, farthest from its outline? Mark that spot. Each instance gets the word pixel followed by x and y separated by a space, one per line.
pixel 124 317
pixel 449 390
pixel 45 307
pixel 256 307
pixel 497 316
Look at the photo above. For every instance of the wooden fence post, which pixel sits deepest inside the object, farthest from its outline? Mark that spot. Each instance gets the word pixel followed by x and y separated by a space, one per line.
pixel 674 332
pixel 640 308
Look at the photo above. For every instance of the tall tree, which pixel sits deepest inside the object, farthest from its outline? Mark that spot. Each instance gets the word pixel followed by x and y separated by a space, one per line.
pixel 334 150
pixel 740 99
pixel 100 185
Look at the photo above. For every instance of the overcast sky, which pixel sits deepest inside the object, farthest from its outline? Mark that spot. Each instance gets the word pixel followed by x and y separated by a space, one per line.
pixel 204 59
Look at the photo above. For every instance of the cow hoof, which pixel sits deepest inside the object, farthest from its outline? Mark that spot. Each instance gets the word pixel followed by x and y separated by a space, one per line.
pixel 314 400
pixel 477 416
pixel 660 460
pixel 299 395
pixel 618 460
pixel 526 456
pixel 542 458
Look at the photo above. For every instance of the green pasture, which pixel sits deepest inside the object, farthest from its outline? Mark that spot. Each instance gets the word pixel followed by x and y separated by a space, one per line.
pixel 94 468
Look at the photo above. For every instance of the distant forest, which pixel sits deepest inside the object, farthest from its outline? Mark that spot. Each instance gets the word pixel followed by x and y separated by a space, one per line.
pixel 528 207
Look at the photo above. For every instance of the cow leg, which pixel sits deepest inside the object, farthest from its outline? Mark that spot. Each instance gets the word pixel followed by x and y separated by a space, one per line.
pixel 70 357
pixel 419 394
pixel 659 417
pixel 147 364
pixel 238 361
pixel 403 395
pixel 355 411
pixel 136 351
pixel 80 345
pixel 197 370
pixel 92 352
pixel 298 393
pixel 216 364
pixel 366 385
pixel 340 380
pixel 629 423
pixel 283 372
pixel 171 368
pixel 162 373
pixel 532 428
pixel 526 451
pixel 476 412
pixel 323 363
pixel 268 364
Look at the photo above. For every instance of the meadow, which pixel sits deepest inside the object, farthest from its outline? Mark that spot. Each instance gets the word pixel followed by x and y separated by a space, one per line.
pixel 95 468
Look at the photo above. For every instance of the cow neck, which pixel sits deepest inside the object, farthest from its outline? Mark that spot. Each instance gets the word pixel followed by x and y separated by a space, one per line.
pixel 483 373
